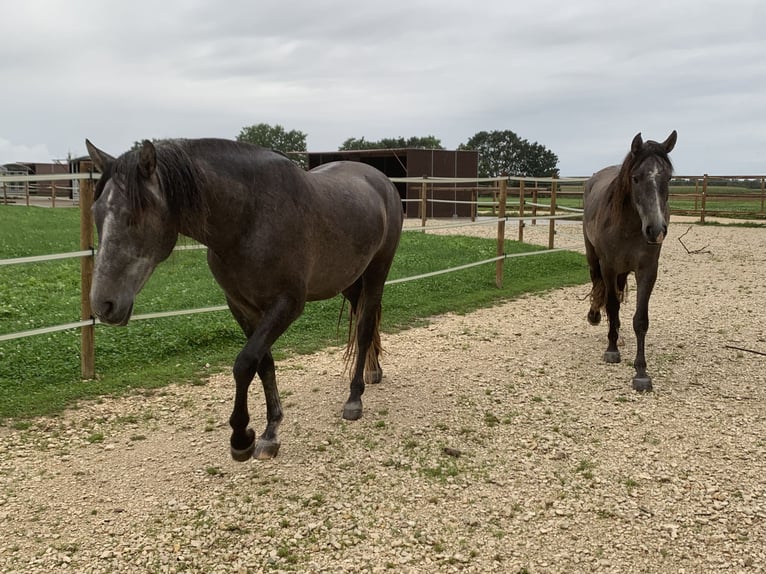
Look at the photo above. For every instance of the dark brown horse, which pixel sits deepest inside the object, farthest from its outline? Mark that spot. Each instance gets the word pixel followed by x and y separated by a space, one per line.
pixel 625 220
pixel 277 236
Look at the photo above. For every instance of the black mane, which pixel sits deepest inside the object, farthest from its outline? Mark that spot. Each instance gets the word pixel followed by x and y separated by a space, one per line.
pixel 180 182
pixel 620 192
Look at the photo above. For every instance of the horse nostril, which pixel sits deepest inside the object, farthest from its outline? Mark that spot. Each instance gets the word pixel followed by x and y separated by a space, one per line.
pixel 105 308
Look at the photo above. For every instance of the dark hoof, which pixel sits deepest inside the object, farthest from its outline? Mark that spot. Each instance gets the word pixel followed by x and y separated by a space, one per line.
pixel 373 377
pixel 612 356
pixel 266 449
pixel 244 454
pixel 642 384
pixel 594 317
pixel 352 411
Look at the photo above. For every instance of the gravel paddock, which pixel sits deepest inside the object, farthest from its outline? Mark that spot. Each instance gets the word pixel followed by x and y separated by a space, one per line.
pixel 497 442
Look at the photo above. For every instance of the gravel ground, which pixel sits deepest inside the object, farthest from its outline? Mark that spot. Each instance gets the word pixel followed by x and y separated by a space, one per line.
pixel 497 442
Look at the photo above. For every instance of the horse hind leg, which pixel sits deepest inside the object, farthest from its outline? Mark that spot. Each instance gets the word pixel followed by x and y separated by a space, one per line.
pixel 597 301
pixel 364 348
pixel 373 372
pixel 598 290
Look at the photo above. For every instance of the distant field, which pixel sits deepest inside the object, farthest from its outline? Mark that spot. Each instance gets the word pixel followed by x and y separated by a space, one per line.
pixel 723 201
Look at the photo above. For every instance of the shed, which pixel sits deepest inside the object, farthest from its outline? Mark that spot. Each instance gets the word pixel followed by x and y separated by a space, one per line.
pixel 412 162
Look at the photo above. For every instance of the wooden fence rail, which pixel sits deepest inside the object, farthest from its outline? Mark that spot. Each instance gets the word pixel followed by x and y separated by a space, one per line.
pixel 500 194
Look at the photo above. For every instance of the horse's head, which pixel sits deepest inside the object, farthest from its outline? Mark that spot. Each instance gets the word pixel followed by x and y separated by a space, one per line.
pixel 650 171
pixel 134 229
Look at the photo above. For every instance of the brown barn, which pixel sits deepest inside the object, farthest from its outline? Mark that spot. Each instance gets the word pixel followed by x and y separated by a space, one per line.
pixel 41 188
pixel 417 163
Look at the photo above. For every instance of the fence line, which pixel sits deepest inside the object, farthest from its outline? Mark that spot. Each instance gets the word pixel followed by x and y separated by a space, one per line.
pixel 86 254
pixel 181 312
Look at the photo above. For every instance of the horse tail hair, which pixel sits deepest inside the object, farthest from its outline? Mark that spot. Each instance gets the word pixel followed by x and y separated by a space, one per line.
pixel 371 362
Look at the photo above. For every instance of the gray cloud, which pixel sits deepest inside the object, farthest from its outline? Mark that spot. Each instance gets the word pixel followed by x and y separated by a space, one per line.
pixel 581 79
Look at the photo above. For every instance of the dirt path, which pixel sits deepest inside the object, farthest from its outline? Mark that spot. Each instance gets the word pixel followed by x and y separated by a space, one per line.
pixel 562 467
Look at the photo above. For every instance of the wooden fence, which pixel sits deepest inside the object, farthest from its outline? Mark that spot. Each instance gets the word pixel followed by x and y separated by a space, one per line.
pixel 494 200
pixel 733 197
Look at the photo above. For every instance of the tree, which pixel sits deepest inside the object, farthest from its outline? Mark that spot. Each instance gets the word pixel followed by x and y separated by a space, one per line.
pixel 291 143
pixel 140 143
pixel 505 153
pixel 427 142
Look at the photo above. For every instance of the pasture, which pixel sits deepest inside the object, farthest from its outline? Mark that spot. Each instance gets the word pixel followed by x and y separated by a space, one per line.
pixel 40 375
pixel 497 442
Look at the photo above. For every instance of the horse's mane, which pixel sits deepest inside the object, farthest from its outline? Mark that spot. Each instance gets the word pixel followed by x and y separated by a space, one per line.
pixel 180 182
pixel 619 192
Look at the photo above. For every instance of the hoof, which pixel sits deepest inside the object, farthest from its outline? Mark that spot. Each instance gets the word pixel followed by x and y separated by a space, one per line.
pixel 266 449
pixel 612 357
pixel 642 384
pixel 244 454
pixel 373 377
pixel 352 411
pixel 594 317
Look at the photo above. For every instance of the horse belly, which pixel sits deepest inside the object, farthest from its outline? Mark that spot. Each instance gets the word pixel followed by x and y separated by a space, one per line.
pixel 335 270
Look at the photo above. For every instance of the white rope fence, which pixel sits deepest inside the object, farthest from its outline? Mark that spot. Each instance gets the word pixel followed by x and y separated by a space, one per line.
pixel 190 247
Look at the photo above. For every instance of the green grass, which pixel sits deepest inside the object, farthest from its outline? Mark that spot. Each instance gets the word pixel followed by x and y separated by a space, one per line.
pixel 41 375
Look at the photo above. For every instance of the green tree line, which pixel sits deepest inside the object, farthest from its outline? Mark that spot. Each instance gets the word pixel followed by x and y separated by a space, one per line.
pixel 501 152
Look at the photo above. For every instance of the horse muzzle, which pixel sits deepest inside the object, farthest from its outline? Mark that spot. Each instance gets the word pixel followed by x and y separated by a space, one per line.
pixel 655 234
pixel 112 313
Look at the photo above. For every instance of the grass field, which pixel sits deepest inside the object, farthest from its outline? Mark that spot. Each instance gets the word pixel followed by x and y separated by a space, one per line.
pixel 40 375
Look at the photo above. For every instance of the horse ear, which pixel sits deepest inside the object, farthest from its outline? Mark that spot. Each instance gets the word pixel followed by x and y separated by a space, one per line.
pixel 635 146
pixel 100 159
pixel 147 159
pixel 670 143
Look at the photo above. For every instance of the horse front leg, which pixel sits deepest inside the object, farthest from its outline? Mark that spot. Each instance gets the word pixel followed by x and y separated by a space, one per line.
pixel 254 358
pixel 243 443
pixel 612 353
pixel 642 382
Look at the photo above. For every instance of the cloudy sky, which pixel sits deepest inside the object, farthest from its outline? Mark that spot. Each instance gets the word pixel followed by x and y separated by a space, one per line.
pixel 581 78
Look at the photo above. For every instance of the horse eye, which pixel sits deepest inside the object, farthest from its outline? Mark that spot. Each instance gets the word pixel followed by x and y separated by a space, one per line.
pixel 635 179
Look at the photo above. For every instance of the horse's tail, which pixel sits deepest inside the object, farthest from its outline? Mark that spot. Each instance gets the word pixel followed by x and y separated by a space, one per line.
pixel 371 363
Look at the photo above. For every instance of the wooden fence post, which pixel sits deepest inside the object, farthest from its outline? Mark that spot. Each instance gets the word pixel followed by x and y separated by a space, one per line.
pixel 552 222
pixel 499 264
pixel 696 193
pixel 704 198
pixel 534 204
pixel 87 332
pixel 423 202
pixel 53 194
pixel 5 194
pixel 763 194
pixel 521 211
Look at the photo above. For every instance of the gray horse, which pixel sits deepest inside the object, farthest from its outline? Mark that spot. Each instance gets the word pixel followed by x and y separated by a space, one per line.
pixel 625 221
pixel 277 237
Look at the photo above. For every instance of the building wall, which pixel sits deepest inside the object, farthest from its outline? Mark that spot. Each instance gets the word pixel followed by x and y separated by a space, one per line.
pixel 417 163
